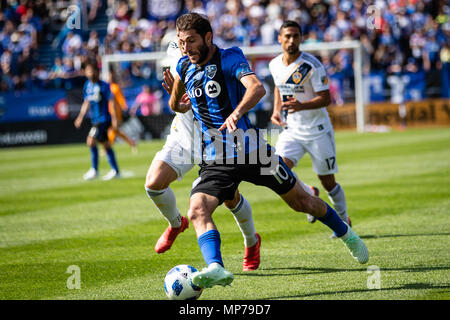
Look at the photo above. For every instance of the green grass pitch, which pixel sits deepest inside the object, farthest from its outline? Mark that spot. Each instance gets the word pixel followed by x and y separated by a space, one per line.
pixel 398 194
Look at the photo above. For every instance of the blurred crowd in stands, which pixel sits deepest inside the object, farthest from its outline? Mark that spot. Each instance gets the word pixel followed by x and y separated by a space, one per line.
pixel 397 35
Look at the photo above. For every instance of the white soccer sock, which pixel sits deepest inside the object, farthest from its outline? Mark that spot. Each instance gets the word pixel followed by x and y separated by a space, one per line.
pixel 337 198
pixel 243 216
pixel 166 203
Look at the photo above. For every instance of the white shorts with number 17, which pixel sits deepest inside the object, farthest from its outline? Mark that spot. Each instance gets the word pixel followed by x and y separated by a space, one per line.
pixel 321 149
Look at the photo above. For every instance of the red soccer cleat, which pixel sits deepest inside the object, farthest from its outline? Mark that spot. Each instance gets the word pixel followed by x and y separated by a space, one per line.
pixel 251 256
pixel 168 237
pixel 315 190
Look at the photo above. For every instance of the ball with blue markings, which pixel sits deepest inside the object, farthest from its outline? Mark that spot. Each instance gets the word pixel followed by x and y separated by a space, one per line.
pixel 178 283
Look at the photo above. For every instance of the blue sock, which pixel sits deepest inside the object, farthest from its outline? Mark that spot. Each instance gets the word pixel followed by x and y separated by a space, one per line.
pixel 94 157
pixel 112 159
pixel 334 222
pixel 209 243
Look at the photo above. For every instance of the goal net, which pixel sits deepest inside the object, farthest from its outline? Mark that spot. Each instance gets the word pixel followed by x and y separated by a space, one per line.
pixel 349 88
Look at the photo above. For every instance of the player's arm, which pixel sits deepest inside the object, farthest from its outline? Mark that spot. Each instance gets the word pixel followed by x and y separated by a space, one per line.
pixel 254 92
pixel 322 99
pixel 121 100
pixel 83 111
pixel 276 114
pixel 179 100
pixel 112 103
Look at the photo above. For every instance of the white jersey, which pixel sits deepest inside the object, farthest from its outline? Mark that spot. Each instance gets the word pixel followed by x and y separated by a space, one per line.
pixel 182 127
pixel 302 79
pixel 177 151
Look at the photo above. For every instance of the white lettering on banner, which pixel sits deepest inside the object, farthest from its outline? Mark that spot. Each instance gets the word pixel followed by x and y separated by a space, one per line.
pixel 27 137
pixel 41 111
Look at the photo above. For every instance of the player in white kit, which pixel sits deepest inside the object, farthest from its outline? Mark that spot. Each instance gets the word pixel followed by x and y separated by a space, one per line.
pixel 300 99
pixel 173 162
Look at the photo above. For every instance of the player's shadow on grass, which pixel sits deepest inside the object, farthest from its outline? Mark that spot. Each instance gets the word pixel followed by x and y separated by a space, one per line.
pixel 377 236
pixel 408 286
pixel 306 270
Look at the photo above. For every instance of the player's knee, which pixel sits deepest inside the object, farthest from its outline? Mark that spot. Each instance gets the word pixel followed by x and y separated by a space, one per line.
pixel 231 204
pixel 91 142
pixel 196 212
pixel 156 183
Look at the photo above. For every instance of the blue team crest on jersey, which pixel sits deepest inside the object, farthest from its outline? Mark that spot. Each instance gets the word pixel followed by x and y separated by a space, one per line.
pixel 211 71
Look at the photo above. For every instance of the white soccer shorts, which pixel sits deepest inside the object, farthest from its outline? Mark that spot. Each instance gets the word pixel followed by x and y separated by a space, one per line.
pixel 321 149
pixel 177 157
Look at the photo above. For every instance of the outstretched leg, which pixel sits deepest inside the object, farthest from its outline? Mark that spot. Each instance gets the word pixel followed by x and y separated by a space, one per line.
pixel 301 201
pixel 157 186
pixel 309 189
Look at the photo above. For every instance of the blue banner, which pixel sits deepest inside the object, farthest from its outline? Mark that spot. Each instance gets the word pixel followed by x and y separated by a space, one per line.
pixel 397 88
pixel 415 86
pixel 33 106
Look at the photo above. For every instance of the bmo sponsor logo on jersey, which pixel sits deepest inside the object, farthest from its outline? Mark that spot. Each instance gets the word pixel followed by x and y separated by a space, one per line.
pixel 212 90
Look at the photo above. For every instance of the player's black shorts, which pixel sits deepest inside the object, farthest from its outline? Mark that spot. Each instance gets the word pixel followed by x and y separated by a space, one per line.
pixel 99 131
pixel 222 180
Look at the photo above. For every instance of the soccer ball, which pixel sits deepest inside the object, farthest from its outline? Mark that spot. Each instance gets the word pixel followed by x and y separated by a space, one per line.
pixel 178 284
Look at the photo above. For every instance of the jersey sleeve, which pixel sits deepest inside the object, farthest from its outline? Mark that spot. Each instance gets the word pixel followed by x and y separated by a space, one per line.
pixel 273 71
pixel 178 68
pixel 236 64
pixel 114 88
pixel 85 90
pixel 181 67
pixel 319 79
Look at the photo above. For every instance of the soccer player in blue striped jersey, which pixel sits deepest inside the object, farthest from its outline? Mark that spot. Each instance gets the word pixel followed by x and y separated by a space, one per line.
pixel 221 89
pixel 213 93
pixel 97 97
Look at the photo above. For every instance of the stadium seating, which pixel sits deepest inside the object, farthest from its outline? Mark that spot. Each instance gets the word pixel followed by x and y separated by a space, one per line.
pixel 412 38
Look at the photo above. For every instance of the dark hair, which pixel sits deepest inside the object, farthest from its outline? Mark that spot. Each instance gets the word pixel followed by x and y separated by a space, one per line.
pixel 291 23
pixel 93 65
pixel 194 21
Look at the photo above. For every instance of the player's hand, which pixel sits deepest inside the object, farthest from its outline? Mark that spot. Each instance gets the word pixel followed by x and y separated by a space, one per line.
pixel 230 123
pixel 78 122
pixel 276 120
pixel 168 81
pixel 292 105
pixel 185 104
